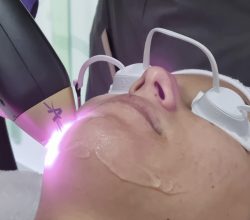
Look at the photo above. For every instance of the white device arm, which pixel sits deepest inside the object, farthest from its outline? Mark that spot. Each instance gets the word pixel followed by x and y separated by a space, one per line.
pixel 146 56
pixel 98 58
pixel 92 60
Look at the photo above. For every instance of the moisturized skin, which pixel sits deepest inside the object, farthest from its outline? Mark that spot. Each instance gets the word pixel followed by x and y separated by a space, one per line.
pixel 145 155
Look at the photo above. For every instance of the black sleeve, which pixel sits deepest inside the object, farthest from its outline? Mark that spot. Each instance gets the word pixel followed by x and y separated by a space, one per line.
pixel 7 160
pixel 99 75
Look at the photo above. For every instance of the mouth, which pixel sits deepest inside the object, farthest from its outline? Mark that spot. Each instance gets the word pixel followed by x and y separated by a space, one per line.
pixel 141 106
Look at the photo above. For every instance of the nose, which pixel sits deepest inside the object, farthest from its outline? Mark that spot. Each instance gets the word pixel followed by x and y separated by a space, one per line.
pixel 158 86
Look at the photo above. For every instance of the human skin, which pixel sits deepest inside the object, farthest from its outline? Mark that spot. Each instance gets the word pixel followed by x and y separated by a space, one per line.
pixel 204 172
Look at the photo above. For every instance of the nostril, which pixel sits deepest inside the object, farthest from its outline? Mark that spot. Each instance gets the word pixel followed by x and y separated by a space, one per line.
pixel 160 90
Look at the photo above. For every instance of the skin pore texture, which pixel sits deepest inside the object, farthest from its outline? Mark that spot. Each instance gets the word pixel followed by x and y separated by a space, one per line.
pixel 146 156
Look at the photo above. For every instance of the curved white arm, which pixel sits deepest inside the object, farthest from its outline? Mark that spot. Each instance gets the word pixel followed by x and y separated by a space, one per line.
pixel 245 108
pixel 146 56
pixel 94 59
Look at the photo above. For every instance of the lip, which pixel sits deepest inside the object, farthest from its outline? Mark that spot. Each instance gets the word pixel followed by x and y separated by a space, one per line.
pixel 141 106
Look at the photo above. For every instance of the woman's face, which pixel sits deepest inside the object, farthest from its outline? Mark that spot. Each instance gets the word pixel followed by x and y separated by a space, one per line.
pixel 148 142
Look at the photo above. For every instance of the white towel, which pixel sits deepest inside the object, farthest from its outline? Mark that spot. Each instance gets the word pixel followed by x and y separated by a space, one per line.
pixel 19 194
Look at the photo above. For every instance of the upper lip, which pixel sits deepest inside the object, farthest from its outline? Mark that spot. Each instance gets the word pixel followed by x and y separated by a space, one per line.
pixel 141 106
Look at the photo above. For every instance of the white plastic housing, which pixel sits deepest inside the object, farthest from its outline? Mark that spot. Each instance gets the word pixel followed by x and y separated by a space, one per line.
pixel 222 109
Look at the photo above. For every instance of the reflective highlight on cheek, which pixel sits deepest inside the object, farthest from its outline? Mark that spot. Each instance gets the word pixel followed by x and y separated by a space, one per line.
pixel 126 170
pixel 125 163
pixel 54 142
pixel 78 150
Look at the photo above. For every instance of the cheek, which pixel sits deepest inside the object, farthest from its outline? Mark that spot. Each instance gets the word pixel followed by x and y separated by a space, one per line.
pixel 129 152
pixel 129 157
pixel 210 159
pixel 110 134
